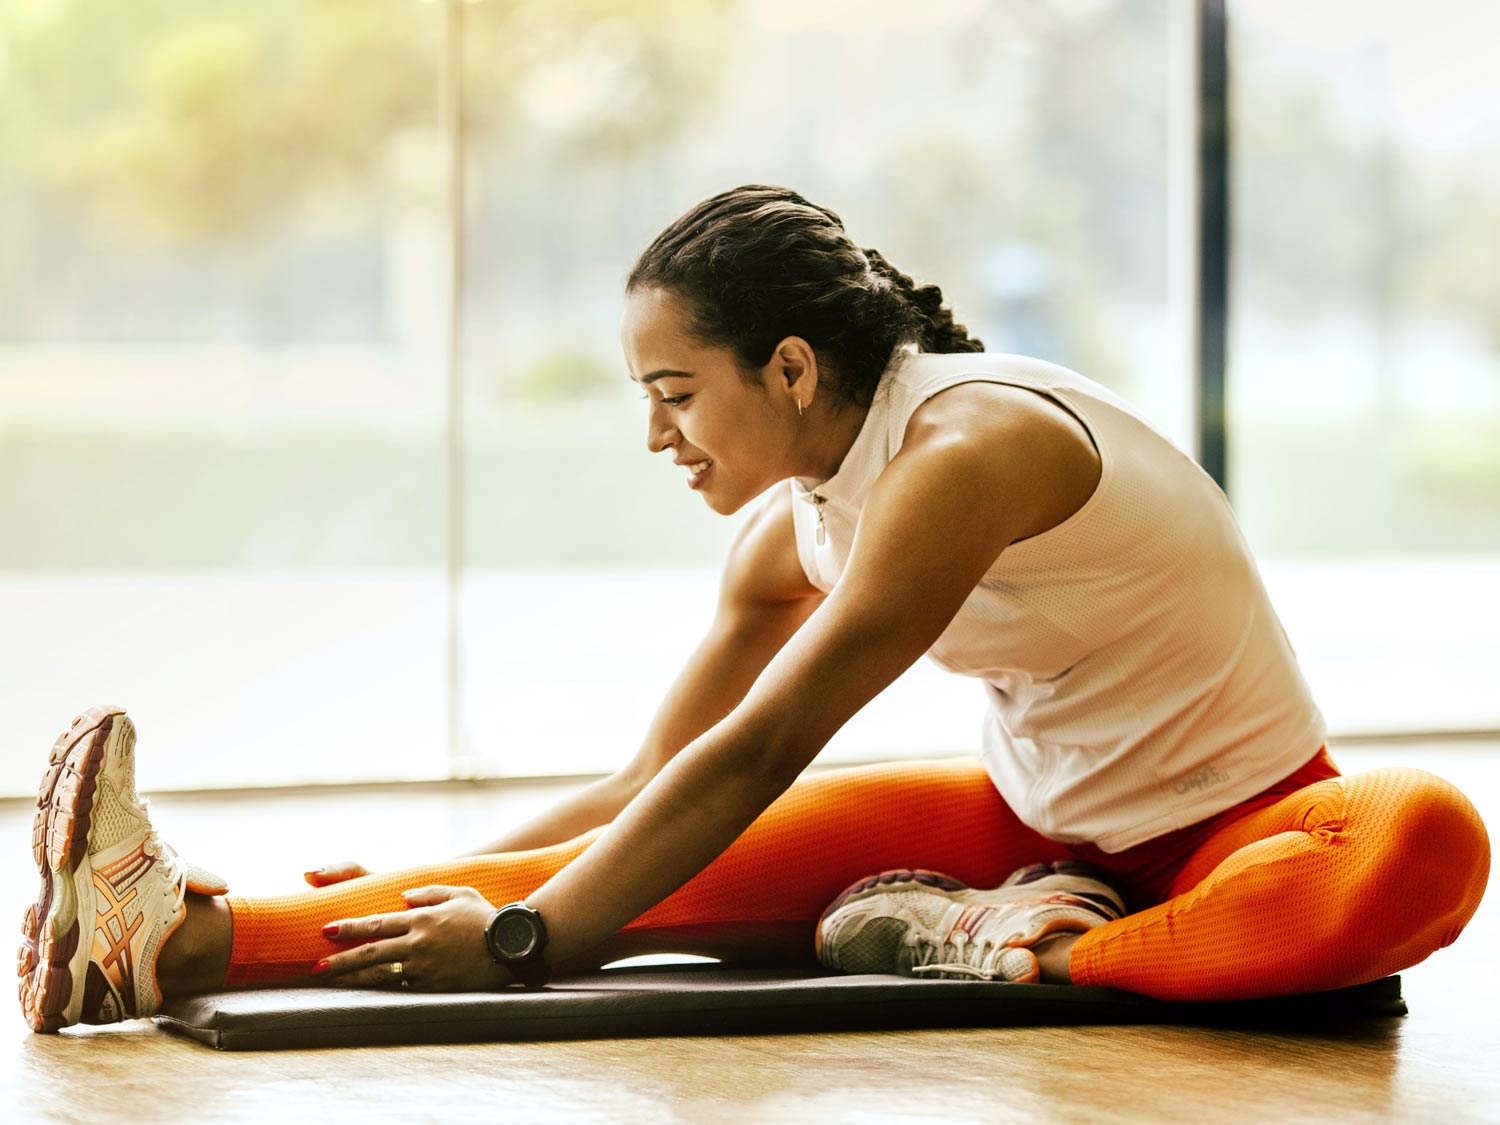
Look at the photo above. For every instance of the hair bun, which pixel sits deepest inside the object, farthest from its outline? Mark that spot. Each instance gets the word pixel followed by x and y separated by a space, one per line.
pixel 928 298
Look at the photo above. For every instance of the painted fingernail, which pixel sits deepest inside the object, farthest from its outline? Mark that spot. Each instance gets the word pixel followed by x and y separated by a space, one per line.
pixel 321 966
pixel 331 930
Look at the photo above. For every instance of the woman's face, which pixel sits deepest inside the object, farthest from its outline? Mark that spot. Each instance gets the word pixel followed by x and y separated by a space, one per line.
pixel 700 409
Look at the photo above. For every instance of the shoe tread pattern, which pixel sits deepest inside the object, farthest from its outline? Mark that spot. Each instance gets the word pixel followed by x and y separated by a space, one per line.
pixel 59 835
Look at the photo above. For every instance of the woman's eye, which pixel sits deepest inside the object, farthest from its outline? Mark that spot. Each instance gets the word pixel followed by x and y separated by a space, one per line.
pixel 674 400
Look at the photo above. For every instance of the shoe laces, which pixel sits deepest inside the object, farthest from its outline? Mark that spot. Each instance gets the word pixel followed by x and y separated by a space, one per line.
pixel 172 863
pixel 956 954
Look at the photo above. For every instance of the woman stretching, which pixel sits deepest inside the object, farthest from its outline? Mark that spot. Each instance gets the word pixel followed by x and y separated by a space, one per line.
pixel 1154 808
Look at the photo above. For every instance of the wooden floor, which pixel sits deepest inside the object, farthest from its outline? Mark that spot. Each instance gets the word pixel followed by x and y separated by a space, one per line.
pixel 1439 1064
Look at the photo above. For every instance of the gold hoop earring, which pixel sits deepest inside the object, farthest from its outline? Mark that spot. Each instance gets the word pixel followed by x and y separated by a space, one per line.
pixel 799 408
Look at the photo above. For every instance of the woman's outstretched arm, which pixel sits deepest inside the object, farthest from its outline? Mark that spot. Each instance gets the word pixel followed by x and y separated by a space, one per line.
pixel 934 523
pixel 972 477
pixel 938 517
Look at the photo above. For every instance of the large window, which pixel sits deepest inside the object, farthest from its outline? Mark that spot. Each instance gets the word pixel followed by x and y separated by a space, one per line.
pixel 1365 349
pixel 1013 153
pixel 221 397
pixel 232 496
pixel 224 373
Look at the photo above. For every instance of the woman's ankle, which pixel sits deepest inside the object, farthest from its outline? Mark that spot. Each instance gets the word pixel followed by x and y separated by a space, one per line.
pixel 196 957
pixel 1052 956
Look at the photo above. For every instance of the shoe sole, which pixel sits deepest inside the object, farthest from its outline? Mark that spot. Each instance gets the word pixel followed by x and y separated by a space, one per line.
pixel 891 882
pixel 53 956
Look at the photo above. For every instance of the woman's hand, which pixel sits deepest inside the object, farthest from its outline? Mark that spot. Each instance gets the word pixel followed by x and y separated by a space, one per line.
pixel 335 873
pixel 438 939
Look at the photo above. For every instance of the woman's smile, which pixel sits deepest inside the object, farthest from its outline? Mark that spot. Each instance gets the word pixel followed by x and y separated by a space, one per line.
pixel 696 479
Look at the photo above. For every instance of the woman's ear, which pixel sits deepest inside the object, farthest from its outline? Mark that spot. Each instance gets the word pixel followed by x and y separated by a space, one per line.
pixel 796 364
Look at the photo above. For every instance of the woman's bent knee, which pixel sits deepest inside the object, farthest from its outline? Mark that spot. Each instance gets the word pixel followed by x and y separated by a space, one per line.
pixel 1425 857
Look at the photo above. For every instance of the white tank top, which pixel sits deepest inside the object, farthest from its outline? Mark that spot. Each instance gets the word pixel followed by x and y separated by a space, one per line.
pixel 1138 679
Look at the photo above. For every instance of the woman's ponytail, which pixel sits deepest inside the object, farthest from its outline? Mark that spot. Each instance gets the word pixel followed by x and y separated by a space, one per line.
pixel 939 332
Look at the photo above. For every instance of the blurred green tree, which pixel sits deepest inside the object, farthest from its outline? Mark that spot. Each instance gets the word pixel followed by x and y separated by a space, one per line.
pixel 207 119
pixel 565 375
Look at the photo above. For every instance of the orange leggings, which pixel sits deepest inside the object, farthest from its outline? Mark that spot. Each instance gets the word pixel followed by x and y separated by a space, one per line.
pixel 1319 882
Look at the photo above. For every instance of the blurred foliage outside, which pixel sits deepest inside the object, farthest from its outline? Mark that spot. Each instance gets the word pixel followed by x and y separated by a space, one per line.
pixel 179 174
pixel 565 375
pixel 201 122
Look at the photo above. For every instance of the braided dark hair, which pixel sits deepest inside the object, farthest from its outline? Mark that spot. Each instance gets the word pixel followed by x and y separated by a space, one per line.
pixel 758 264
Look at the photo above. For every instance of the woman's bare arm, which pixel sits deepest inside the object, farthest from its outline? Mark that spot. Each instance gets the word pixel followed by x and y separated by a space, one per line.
pixel 935 521
pixel 939 515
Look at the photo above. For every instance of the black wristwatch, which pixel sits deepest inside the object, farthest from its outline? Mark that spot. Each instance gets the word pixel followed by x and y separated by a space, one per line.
pixel 517 938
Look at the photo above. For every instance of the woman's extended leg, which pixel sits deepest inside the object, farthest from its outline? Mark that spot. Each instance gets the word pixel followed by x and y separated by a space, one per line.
pixel 121 922
pixel 764 894
pixel 1345 881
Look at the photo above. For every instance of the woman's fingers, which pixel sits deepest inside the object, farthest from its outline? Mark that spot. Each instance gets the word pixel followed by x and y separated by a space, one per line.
pixel 441 947
pixel 335 873
pixel 368 928
pixel 431 896
pixel 364 966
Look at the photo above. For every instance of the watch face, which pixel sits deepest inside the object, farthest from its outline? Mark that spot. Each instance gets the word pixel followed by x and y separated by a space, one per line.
pixel 515 936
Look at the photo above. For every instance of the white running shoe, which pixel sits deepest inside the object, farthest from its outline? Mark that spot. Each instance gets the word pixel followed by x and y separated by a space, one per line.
pixel 112 892
pixel 922 924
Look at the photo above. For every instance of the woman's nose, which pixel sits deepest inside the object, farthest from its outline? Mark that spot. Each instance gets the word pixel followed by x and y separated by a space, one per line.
pixel 656 432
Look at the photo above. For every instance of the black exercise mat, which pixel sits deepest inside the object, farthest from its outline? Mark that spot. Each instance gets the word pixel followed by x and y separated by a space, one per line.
pixel 705 999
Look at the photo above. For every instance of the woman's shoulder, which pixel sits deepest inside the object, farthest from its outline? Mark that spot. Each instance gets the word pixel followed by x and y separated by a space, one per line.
pixel 1023 437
